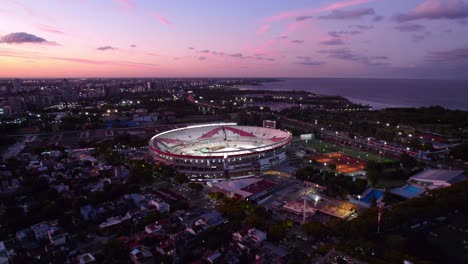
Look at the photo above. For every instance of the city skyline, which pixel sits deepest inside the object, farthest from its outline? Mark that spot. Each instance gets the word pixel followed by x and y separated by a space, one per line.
pixel 131 38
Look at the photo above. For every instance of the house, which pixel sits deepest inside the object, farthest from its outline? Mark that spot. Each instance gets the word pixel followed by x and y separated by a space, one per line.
pixel 41 231
pixel 213 257
pixel 270 254
pixel 437 178
pixel 211 219
pixel 136 198
pixel 113 223
pixel 195 229
pixel 57 236
pixel 160 205
pixel 427 180
pixel 86 258
pixel 166 247
pixel 4 258
pixel 26 238
pixel 141 255
pixel 88 213
pixel 249 235
pixel 153 228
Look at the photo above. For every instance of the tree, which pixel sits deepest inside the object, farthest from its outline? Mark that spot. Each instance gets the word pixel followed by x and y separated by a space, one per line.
pixel 195 186
pixel 180 178
pixel 332 167
pixel 407 162
pixel 216 195
pixel 115 250
pixel 314 229
pixel 276 232
pixel 373 172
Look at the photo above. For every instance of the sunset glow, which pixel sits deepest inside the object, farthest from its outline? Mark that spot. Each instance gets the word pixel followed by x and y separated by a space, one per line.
pixel 326 38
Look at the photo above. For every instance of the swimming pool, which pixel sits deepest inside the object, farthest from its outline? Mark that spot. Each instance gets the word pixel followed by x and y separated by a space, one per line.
pixel 412 189
pixel 373 194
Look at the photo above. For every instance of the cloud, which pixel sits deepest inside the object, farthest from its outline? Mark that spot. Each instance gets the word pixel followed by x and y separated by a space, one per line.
pixel 23 37
pixel 436 9
pixel 349 14
pixel 202 58
pixel 106 48
pixel 452 55
pixel 311 63
pixel 307 61
pixel 159 17
pixel 38 56
pixel 418 37
pixel 377 18
pixel 297 41
pixel 347 55
pixel 217 53
pixel 302 18
pixel 332 42
pixel 236 55
pixel 282 37
pixel 204 51
pixel 50 29
pixel 153 54
pixel 379 57
pixel 406 27
pixel 337 34
pixel 263 29
pixel 133 46
pixel 191 48
pixel 308 12
pixel 362 27
pixel 127 4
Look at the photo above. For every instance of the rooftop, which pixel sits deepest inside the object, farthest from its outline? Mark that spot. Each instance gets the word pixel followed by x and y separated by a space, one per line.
pixel 450 176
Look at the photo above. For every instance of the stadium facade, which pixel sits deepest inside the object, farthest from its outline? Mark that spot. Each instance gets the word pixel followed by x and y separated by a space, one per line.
pixel 220 151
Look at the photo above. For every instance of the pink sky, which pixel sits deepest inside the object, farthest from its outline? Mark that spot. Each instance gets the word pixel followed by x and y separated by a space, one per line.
pixel 210 38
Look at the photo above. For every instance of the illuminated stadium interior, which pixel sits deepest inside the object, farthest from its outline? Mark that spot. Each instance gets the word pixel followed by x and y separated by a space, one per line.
pixel 220 151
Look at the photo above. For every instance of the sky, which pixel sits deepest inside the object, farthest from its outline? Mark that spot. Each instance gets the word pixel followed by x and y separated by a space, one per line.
pixel 241 38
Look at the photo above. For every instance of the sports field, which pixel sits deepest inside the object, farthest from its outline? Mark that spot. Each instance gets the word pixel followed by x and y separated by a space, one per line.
pixel 326 147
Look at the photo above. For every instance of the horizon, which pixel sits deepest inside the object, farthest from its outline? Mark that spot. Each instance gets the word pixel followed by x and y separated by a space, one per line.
pixel 378 39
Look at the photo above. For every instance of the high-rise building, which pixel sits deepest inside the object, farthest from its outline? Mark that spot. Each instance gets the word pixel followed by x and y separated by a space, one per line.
pixel 68 94
pixel 16 104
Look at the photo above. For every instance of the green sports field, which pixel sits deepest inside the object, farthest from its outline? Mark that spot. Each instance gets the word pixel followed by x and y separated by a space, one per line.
pixel 325 147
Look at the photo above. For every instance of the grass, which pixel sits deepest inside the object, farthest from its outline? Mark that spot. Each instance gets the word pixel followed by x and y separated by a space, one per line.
pixel 325 147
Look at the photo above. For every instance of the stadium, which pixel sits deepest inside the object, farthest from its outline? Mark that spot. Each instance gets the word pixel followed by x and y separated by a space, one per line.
pixel 220 151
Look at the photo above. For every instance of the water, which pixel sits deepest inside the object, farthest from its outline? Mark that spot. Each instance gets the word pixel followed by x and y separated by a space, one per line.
pixel 382 93
pixel 376 194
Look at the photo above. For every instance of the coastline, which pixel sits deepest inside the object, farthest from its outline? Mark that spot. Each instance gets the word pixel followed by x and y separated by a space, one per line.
pixel 401 93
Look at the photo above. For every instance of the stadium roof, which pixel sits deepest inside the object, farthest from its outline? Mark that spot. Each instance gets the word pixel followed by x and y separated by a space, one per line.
pixel 449 176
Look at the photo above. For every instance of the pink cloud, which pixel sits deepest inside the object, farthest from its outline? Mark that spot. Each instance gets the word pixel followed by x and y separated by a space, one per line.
pixel 263 29
pixel 307 12
pixel 127 4
pixel 50 29
pixel 36 56
pixel 436 9
pixel 153 54
pixel 160 18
